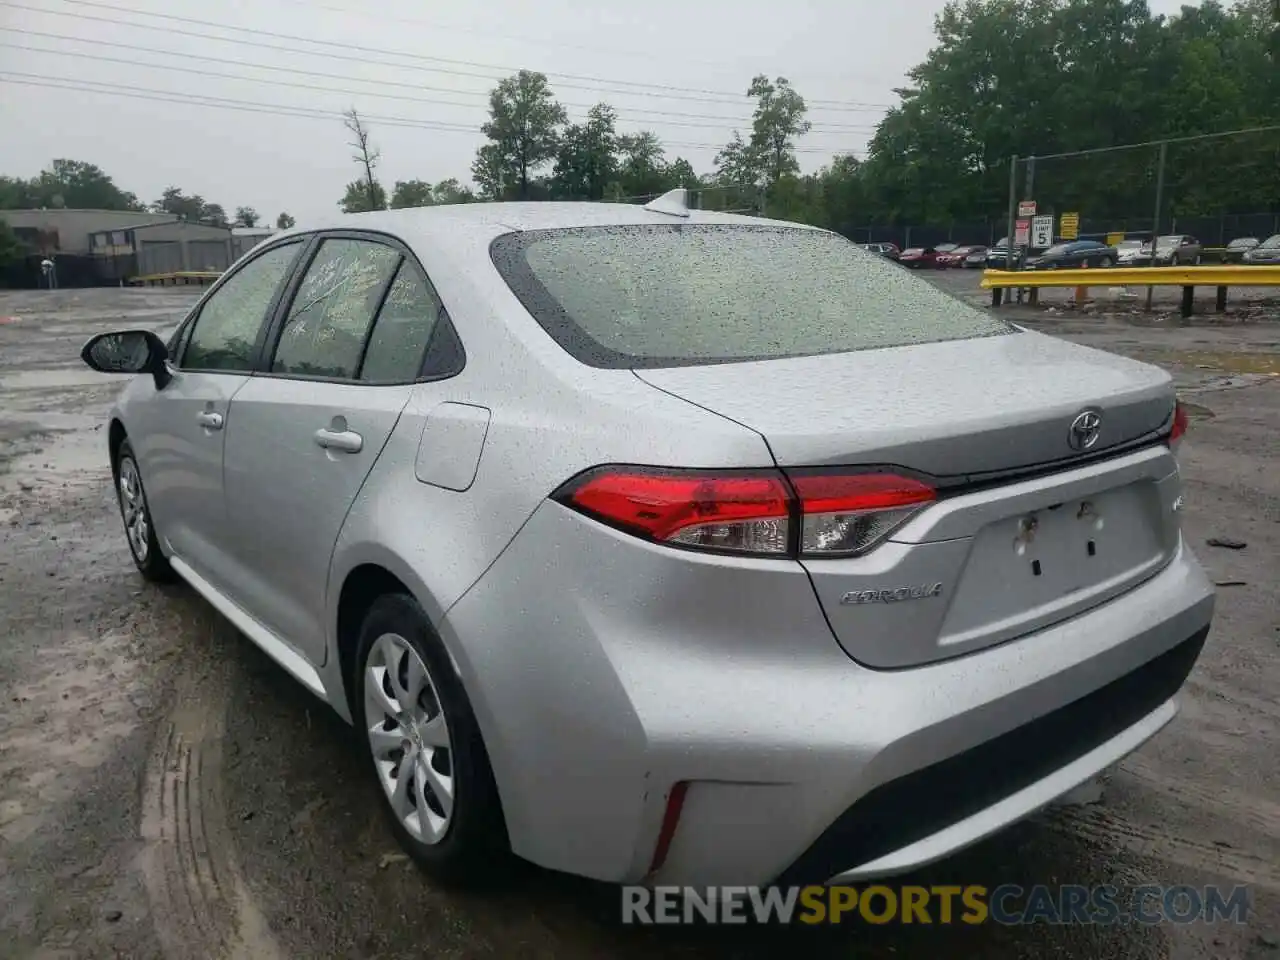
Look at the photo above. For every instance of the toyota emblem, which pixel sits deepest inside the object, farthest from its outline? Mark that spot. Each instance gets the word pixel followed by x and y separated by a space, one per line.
pixel 1085 429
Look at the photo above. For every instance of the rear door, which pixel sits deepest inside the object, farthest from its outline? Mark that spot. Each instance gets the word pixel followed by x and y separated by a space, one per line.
pixel 180 435
pixel 306 429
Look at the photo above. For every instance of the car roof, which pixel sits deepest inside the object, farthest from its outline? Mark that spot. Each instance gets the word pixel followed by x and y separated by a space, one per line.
pixel 482 221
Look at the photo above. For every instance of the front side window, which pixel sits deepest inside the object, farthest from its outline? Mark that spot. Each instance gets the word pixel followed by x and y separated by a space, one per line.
pixel 329 319
pixel 226 330
pixel 682 294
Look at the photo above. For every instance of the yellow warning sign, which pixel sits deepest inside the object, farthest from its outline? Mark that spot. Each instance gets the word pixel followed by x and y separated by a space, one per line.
pixel 1069 226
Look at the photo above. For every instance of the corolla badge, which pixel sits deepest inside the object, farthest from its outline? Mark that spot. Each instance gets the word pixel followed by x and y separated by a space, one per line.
pixel 1085 429
pixel 893 594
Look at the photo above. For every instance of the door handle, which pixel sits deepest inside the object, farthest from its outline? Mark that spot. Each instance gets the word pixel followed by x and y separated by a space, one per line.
pixel 210 419
pixel 346 441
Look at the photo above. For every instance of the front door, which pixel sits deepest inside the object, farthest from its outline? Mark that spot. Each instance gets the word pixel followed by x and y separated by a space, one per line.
pixel 182 445
pixel 305 432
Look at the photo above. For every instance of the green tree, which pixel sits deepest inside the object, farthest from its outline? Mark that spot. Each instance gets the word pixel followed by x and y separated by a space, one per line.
pixel 356 198
pixel 174 201
pixel 642 166
pixel 412 193
pixel 1037 77
pixel 284 221
pixel 587 159
pixel 247 217
pixel 66 183
pixel 523 130
pixel 491 173
pixel 213 213
pixel 740 165
pixel 680 173
pixel 778 119
pixel 451 191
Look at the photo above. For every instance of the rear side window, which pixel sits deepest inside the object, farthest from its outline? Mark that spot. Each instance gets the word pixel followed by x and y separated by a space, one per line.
pixel 329 319
pixel 404 327
pixel 687 294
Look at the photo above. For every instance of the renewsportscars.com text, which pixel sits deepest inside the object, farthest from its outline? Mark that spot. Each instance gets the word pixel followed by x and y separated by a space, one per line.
pixel 1008 904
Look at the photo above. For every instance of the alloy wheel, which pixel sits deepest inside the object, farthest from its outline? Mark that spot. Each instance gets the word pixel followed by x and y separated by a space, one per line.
pixel 133 507
pixel 409 738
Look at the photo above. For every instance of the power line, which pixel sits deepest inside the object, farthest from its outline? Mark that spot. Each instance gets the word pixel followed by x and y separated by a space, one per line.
pixel 1151 143
pixel 701 118
pixel 576 80
pixel 538 41
pixel 309 113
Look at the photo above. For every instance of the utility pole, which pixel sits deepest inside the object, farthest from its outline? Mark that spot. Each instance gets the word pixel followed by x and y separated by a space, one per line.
pixel 1155 220
pixel 1013 204
pixel 997 293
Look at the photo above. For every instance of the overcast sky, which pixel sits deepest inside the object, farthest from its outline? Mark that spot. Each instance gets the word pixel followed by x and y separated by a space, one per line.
pixel 420 72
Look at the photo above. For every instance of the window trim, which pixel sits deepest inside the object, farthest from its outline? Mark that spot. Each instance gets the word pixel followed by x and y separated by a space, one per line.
pixel 275 328
pixel 181 338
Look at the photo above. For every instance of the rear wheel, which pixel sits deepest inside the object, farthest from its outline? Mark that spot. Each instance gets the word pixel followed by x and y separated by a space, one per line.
pixel 1106 262
pixel 425 748
pixel 136 514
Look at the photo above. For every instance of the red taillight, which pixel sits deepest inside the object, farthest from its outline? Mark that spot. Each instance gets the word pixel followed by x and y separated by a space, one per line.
pixel 757 512
pixel 742 512
pixel 1179 423
pixel 670 820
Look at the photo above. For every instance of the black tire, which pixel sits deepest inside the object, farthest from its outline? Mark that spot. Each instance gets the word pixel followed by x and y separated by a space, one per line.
pixel 1106 262
pixel 151 562
pixel 474 849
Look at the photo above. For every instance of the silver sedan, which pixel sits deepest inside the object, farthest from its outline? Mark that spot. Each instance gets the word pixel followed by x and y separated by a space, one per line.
pixel 653 544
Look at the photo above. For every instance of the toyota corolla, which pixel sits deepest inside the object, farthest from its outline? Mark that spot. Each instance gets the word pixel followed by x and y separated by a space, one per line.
pixel 653 544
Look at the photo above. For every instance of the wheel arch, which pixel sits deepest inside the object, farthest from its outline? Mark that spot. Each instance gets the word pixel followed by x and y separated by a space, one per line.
pixel 367 574
pixel 116 436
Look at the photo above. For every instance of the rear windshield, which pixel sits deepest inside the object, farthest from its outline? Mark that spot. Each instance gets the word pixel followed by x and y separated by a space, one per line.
pixel 685 294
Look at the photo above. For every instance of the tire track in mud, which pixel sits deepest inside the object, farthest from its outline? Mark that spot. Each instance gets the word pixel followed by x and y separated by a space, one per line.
pixel 200 903
pixel 1108 829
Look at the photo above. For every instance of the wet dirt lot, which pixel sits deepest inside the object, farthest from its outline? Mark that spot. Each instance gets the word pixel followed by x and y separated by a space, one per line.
pixel 166 791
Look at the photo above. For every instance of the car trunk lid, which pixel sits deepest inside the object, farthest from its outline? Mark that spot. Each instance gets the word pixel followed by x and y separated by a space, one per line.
pixel 1027 530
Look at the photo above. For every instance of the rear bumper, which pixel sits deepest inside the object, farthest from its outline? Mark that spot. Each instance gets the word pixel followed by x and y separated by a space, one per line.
pixel 604 671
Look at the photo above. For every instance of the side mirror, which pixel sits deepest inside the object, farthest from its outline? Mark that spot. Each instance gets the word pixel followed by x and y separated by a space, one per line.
pixel 128 351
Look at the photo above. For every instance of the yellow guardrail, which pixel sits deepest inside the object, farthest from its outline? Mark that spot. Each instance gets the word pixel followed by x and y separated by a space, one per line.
pixel 1207 275
pixel 176 277
pixel 1188 278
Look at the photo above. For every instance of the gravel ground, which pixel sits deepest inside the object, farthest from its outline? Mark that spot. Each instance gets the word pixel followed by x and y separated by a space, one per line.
pixel 166 791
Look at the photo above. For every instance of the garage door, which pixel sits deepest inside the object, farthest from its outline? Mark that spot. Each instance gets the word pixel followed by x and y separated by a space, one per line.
pixel 208 254
pixel 159 256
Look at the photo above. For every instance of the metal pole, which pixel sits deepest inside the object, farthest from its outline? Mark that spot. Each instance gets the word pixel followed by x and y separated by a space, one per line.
pixel 1155 221
pixel 1013 206
pixel 997 293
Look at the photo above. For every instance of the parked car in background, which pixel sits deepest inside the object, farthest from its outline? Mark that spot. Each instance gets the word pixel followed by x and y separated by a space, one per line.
pixel 1126 251
pixel 1267 253
pixel 998 256
pixel 1237 248
pixel 578 513
pixel 884 249
pixel 919 257
pixel 1174 250
pixel 975 259
pixel 1076 253
pixel 955 257
pixel 946 247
